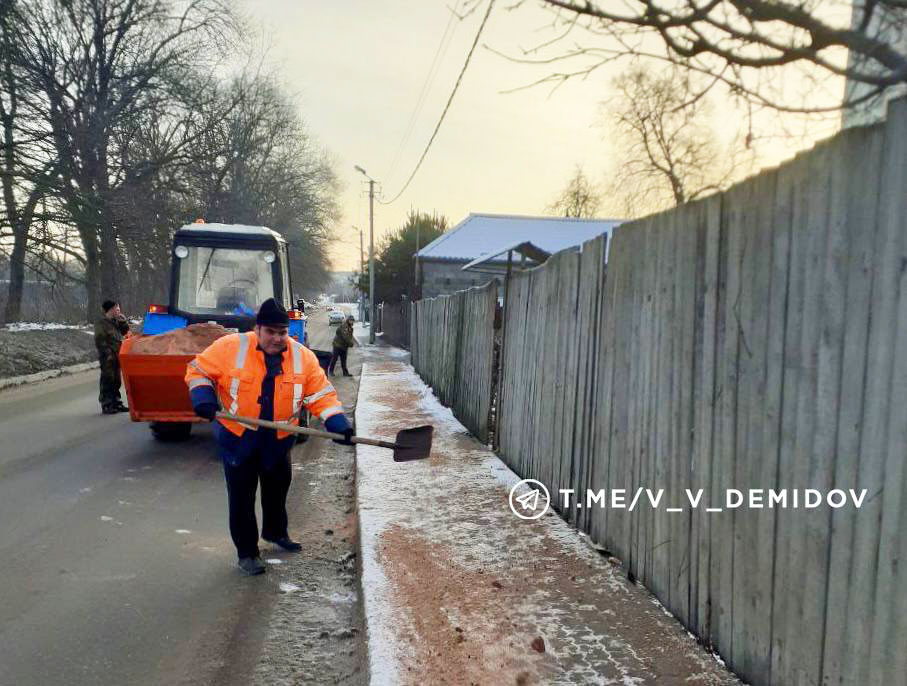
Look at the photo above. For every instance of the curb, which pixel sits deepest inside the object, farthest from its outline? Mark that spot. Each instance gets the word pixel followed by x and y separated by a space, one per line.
pixel 367 667
pixel 45 375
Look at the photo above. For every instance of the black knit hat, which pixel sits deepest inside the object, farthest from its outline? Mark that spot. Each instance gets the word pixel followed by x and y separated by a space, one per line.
pixel 107 304
pixel 271 313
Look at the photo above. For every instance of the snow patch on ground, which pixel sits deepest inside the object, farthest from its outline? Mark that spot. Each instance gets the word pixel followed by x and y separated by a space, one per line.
pixel 42 326
pixel 342 597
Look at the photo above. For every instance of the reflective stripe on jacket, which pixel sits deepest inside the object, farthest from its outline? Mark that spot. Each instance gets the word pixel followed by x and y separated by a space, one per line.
pixel 235 368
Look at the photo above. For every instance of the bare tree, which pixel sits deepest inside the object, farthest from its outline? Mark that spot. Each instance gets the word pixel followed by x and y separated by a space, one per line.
pixel 669 154
pixel 23 185
pixel 96 64
pixel 121 133
pixel 577 199
pixel 259 165
pixel 749 46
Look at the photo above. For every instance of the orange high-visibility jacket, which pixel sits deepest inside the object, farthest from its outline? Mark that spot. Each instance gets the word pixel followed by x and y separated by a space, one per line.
pixel 235 368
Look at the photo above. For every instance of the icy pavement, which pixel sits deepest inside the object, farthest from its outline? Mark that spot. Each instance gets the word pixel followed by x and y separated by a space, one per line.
pixel 458 590
pixel 314 628
pixel 314 632
pixel 360 333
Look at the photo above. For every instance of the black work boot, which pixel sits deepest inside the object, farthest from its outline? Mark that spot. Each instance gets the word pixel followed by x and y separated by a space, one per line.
pixel 110 409
pixel 251 566
pixel 286 543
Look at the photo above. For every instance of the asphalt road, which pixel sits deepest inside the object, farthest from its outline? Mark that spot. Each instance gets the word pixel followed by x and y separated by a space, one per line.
pixel 115 562
pixel 320 334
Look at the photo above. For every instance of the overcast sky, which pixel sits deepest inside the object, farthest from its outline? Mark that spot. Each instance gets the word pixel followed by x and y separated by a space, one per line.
pixel 357 69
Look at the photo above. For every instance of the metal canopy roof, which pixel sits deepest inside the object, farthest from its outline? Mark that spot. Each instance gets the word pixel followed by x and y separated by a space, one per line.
pixel 480 235
pixel 489 265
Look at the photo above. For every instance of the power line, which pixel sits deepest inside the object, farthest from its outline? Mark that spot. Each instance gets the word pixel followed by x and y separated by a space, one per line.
pixel 433 70
pixel 447 106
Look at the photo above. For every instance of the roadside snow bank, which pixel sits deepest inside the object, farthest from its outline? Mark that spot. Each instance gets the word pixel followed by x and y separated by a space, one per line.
pixel 32 350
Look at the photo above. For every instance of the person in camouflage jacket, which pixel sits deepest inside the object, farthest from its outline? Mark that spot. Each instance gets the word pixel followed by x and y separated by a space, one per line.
pixel 109 331
pixel 343 341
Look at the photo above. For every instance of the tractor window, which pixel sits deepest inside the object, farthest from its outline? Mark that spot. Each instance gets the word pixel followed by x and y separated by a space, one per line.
pixel 224 281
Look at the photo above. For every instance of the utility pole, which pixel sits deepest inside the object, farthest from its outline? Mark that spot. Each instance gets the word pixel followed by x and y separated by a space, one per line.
pixel 361 254
pixel 361 273
pixel 371 253
pixel 371 260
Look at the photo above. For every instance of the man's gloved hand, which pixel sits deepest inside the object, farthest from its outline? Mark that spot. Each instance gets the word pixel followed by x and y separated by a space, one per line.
pixel 206 411
pixel 347 435
pixel 339 424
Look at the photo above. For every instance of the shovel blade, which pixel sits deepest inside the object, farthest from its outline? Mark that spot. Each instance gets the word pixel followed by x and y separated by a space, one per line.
pixel 413 444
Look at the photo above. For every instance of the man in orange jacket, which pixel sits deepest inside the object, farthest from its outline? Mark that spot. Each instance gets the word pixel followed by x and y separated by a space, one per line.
pixel 266 375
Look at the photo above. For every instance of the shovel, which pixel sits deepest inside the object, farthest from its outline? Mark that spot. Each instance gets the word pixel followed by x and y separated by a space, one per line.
pixel 410 444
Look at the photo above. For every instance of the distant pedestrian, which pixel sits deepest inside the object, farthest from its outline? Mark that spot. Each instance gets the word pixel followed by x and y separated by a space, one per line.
pixel 109 331
pixel 343 341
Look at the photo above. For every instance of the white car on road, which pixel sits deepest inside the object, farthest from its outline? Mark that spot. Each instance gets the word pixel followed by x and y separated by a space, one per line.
pixel 336 316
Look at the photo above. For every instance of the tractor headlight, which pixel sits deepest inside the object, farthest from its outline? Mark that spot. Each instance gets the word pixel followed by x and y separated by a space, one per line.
pixel 269 256
pixel 181 251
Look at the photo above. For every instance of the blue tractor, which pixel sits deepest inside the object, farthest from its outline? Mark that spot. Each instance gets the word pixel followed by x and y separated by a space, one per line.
pixel 220 273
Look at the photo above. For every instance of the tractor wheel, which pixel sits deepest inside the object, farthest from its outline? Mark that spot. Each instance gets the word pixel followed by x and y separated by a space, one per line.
pixel 171 431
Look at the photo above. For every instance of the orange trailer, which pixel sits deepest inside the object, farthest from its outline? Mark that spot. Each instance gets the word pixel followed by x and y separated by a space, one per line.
pixel 156 391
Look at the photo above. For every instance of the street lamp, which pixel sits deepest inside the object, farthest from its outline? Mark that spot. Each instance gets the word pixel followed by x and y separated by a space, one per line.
pixel 371 253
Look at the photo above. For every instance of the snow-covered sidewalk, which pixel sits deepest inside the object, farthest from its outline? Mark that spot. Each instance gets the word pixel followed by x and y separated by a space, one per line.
pixel 458 590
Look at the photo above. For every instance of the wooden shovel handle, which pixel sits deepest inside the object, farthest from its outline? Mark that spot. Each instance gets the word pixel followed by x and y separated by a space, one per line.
pixel 293 429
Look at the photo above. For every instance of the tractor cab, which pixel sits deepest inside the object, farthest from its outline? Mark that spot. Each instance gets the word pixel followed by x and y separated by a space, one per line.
pixel 221 273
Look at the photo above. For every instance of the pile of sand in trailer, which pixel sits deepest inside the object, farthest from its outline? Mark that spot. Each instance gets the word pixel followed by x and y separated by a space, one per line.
pixel 189 341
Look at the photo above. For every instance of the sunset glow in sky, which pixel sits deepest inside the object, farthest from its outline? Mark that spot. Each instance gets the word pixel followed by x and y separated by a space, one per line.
pixel 357 70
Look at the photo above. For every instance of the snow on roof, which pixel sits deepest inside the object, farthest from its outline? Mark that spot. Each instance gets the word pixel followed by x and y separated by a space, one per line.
pixel 486 234
pixel 234 228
